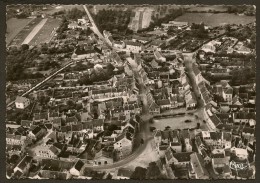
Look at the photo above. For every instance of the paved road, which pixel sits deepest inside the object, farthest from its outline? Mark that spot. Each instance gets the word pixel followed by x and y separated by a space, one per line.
pixel 94 27
pixel 123 162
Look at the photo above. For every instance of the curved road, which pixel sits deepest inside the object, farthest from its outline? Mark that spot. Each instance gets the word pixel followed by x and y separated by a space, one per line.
pixel 123 162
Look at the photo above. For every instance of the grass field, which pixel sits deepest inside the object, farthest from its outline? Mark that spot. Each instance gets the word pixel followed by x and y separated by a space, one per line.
pixel 219 8
pixel 46 32
pixel 14 26
pixel 20 37
pixel 215 19
pixel 63 7
pixel 35 30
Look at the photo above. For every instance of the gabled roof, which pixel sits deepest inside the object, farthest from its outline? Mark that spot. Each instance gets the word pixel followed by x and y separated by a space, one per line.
pixel 40 116
pixel 197 161
pixel 20 99
pixel 215 120
pixel 157 133
pixel 163 102
pixel 123 135
pixel 133 43
pixel 182 157
pixel 228 90
pixel 153 106
pixel 23 163
pixel 54 150
pixel 36 130
pixel 72 119
pixel 53 174
pixel 26 123
pixel 78 165
pixel 195 69
pixel 215 135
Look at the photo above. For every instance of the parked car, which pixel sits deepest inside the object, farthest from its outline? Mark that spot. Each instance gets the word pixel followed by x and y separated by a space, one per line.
pixel 187 121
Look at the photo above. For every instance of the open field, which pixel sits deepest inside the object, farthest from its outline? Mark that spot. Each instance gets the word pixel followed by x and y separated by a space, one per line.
pixel 215 19
pixel 219 8
pixel 35 30
pixel 46 33
pixel 63 7
pixel 14 26
pixel 20 37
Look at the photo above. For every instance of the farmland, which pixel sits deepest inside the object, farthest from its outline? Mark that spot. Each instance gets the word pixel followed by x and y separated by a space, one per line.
pixel 219 19
pixel 46 33
pixel 21 36
pixel 35 30
pixel 63 8
pixel 14 26
pixel 218 8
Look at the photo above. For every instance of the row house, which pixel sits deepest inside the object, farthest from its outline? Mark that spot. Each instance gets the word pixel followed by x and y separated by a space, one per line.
pixel 217 140
pixel 180 160
pixel 167 138
pixel 107 93
pixel 190 100
pixel 244 118
pixel 47 151
pixel 159 56
pixel 134 47
pixel 186 140
pixel 224 90
pixel 197 167
pixel 154 109
pixel 124 144
pixel 15 139
pixel 104 156
pixel 141 39
pixel 213 122
pixel 197 73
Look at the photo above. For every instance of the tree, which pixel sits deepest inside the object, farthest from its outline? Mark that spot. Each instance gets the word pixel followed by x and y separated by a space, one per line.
pixel 153 171
pixel 109 176
pixel 70 103
pixel 198 125
pixel 24 47
pixel 139 173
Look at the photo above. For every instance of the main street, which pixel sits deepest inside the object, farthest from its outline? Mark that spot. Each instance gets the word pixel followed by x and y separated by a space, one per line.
pixel 189 59
pixel 144 131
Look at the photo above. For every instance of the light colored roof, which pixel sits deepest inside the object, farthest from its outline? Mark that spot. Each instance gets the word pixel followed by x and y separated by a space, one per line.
pixel 20 99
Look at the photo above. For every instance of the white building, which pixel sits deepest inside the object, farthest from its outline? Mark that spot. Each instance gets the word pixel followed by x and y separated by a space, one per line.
pixel 21 102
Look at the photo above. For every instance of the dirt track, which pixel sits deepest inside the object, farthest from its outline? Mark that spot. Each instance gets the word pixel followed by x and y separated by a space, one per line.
pixel 35 30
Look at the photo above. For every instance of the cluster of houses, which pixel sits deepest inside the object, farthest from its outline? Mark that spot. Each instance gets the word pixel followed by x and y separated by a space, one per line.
pixel 170 87
pixel 81 126
pixel 202 154
pixel 101 131
pixel 55 136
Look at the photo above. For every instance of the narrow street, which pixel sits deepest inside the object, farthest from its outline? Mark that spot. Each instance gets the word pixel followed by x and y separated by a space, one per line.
pixel 188 61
